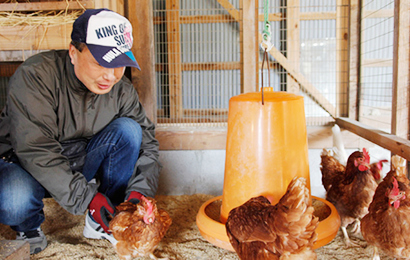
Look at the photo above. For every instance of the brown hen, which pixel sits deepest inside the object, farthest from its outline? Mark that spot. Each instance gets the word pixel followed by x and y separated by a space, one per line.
pixel 332 168
pixel 387 225
pixel 139 228
pixel 352 192
pixel 258 230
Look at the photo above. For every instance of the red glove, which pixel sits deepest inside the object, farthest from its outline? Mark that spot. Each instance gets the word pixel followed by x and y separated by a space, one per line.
pixel 134 197
pixel 100 208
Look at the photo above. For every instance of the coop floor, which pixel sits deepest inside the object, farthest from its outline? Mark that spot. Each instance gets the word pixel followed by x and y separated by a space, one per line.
pixel 183 240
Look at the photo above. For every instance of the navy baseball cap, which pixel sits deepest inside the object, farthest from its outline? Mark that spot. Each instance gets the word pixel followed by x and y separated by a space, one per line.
pixel 108 36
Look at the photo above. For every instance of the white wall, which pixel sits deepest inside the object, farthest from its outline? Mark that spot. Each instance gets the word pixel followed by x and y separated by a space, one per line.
pixel 202 171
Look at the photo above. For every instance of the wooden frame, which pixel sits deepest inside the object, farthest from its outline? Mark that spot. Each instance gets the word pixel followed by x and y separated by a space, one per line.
pixel 401 77
pixel 348 42
pixel 248 19
pixel 211 138
pixel 46 37
pixel 143 49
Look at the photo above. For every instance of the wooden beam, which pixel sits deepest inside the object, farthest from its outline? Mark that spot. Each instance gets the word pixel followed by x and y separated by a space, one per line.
pixel 273 17
pixel 293 42
pixel 377 63
pixel 204 19
pixel 249 46
pixel 174 58
pixel 195 120
pixel 354 58
pixel 395 144
pixel 385 13
pixel 46 6
pixel 230 9
pixel 318 16
pixel 140 16
pixel 14 250
pixel 114 5
pixel 35 37
pixel 214 138
pixel 211 66
pixel 187 139
pixel 203 66
pixel 342 57
pixel 277 17
pixel 401 55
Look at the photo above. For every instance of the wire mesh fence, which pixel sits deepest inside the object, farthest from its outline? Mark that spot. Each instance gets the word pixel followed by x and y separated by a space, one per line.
pixel 198 57
pixel 376 75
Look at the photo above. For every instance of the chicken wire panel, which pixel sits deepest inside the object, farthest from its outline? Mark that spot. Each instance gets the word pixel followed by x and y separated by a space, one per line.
pixel 207 46
pixel 307 6
pixel 315 56
pixel 376 76
pixel 197 61
pixel 206 94
pixel 318 62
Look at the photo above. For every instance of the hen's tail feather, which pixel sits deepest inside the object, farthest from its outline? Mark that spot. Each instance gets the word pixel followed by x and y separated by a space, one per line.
pixel 398 164
pixel 301 222
pixel 338 146
pixel 296 194
pixel 297 201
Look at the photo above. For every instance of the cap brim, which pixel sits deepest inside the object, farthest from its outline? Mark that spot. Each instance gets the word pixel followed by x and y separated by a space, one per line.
pixel 110 57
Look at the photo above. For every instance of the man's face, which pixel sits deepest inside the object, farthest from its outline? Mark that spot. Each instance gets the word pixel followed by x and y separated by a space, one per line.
pixel 96 78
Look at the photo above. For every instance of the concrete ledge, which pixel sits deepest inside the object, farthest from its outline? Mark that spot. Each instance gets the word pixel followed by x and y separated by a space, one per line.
pixel 14 250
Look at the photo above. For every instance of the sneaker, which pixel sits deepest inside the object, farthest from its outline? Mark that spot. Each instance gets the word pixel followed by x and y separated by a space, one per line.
pixel 35 238
pixel 94 230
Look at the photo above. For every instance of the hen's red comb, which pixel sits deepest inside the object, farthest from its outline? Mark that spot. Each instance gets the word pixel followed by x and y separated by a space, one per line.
pixel 366 155
pixel 380 163
pixel 395 191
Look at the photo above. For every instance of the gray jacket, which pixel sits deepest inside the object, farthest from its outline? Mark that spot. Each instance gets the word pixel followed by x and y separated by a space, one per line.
pixel 47 105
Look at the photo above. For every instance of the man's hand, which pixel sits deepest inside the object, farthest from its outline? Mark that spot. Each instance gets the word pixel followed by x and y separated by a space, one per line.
pixel 134 197
pixel 100 207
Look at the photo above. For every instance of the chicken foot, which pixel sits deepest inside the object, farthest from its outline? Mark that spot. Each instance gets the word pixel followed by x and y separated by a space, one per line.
pixel 375 254
pixel 348 242
pixel 153 257
pixel 356 227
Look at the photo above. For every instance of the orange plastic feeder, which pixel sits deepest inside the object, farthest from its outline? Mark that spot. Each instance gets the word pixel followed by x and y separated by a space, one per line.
pixel 266 147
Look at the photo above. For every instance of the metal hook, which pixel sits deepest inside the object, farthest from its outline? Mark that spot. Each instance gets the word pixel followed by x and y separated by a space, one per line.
pixel 265 56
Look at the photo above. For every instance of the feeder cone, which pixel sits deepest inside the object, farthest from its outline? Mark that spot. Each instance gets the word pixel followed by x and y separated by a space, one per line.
pixel 266 148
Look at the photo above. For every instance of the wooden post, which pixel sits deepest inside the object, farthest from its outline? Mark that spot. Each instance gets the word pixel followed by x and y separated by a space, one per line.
pixel 116 5
pixel 400 102
pixel 342 64
pixel 141 18
pixel 174 59
pixel 249 46
pixel 293 42
pixel 14 250
pixel 354 58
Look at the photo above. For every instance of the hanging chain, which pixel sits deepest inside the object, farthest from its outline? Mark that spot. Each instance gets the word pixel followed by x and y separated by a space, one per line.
pixel 265 56
pixel 266 43
pixel 266 34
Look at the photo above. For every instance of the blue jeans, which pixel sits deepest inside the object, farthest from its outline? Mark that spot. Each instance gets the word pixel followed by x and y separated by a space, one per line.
pixel 111 157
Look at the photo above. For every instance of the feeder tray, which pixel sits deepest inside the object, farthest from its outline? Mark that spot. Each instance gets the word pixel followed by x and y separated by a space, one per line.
pixel 211 228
